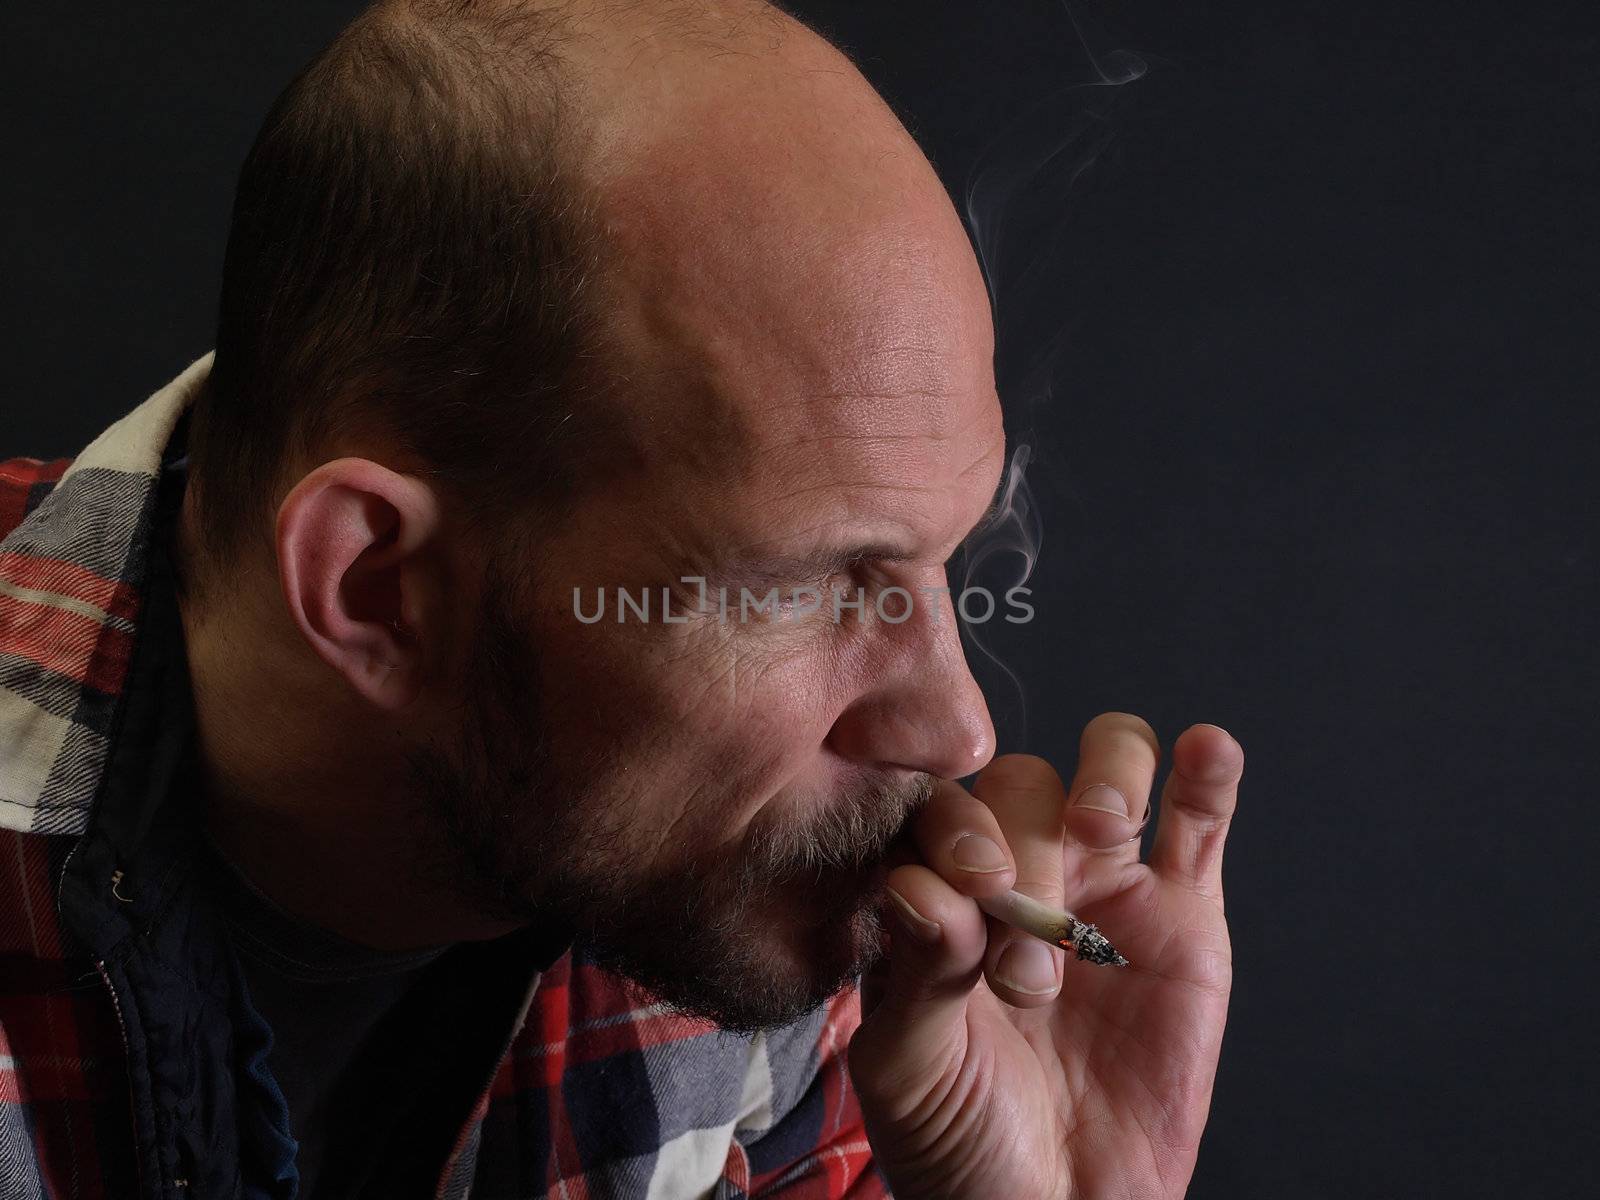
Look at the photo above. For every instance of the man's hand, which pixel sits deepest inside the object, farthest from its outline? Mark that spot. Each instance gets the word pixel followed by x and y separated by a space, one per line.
pixel 991 1065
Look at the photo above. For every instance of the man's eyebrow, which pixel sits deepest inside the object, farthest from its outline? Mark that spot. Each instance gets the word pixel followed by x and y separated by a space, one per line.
pixel 819 564
pixel 829 560
pixel 808 567
pixel 815 565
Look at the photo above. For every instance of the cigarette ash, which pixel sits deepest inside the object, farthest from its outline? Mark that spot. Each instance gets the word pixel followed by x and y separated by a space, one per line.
pixel 1092 945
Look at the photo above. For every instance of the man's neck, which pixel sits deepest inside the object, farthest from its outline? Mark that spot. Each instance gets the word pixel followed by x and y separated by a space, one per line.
pixel 361 885
pixel 306 794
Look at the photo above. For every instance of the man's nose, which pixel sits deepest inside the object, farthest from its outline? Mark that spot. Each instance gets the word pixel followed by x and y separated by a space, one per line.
pixel 925 712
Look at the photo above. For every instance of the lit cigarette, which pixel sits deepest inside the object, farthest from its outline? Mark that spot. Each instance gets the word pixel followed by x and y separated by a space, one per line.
pixel 1054 925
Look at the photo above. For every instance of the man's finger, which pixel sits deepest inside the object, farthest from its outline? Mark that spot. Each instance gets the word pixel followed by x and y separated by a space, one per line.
pixel 1110 799
pixel 1197 804
pixel 959 837
pixel 918 1018
pixel 1027 798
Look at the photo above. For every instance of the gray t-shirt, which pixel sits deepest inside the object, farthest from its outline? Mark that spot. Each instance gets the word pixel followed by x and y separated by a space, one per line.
pixel 323 997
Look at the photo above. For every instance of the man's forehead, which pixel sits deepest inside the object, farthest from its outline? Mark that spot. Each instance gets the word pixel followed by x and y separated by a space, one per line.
pixel 906 466
pixel 869 365
pixel 878 404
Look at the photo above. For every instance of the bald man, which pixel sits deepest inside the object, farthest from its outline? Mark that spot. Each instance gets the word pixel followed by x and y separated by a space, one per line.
pixel 352 852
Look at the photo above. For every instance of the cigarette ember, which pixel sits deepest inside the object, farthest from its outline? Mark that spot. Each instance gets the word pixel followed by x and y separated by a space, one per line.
pixel 1053 925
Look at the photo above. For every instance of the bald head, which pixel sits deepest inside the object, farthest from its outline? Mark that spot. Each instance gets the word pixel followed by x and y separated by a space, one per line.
pixel 522 241
pixel 775 241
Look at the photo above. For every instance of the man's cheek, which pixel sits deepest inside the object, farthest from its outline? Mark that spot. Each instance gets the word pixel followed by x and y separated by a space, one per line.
pixel 713 679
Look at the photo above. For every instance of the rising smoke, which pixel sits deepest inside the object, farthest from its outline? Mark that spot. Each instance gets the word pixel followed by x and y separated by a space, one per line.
pixel 1018 202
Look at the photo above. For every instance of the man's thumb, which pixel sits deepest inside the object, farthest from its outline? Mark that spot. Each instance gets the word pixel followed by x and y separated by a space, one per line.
pixel 917 1026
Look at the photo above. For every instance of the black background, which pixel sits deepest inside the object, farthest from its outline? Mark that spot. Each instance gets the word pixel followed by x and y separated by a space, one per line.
pixel 1315 460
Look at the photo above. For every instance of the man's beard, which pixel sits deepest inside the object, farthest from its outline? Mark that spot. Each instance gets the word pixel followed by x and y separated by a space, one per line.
pixel 748 936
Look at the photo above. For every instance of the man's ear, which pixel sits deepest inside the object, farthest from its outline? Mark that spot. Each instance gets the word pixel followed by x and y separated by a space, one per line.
pixel 358 561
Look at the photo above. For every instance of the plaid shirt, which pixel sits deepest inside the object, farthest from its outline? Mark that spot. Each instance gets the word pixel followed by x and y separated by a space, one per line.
pixel 123 1071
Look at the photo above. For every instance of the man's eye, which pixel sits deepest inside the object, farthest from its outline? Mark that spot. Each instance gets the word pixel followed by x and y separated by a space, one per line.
pixel 865 576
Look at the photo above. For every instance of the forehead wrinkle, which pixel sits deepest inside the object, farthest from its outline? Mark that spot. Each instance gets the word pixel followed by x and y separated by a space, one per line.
pixel 899 379
pixel 852 427
pixel 896 488
pixel 853 395
pixel 996 451
pixel 870 437
pixel 999 453
pixel 845 380
pixel 841 476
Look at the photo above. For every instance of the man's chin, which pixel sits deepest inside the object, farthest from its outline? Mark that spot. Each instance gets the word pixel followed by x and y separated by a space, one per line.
pixel 845 941
pixel 777 963
pixel 824 951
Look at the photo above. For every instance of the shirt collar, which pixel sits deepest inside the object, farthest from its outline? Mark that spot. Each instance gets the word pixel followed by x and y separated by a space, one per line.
pixel 74 570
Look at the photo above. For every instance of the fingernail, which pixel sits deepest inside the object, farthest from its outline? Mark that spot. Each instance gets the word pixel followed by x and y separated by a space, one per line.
pixel 912 921
pixel 1102 797
pixel 976 853
pixel 1027 966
